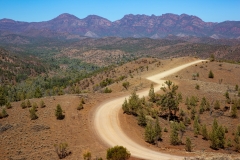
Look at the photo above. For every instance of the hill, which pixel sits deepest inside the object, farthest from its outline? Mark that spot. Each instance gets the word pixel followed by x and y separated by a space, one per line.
pixel 23 138
pixel 138 26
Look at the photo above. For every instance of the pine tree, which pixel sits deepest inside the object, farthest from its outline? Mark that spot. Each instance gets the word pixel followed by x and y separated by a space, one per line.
pixel 170 100
pixel 210 75
pixel 29 104
pixel 23 105
pixel 158 130
pixel 149 133
pixel 80 106
pixel 42 104
pixel 221 137
pixel 33 114
pixel 125 107
pixel 59 112
pixel 217 104
pixel 234 111
pixel 134 103
pixel 4 113
pixel 142 121
pixel 188 146
pixel 151 94
pixel 204 132
pixel 174 140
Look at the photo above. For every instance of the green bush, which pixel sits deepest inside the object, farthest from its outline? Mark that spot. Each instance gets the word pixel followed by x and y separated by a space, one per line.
pixel 118 153
pixel 80 106
pixel 42 104
pixel 59 112
pixel 188 145
pixel 210 75
pixel 23 105
pixel 33 114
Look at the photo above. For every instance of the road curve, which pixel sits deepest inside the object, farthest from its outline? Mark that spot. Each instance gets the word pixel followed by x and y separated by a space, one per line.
pixel 107 124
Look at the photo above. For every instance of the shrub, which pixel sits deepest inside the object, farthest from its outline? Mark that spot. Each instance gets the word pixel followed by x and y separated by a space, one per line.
pixel 23 105
pixel 61 150
pixel 142 119
pixel 174 140
pixel 118 153
pixel 42 104
pixel 197 86
pixel 150 133
pixel 188 145
pixel 8 105
pixel 80 106
pixel 87 155
pixel 107 90
pixel 59 112
pixel 125 85
pixel 217 104
pixel 210 75
pixel 33 114
pixel 4 113
pixel 28 104
pixel 204 132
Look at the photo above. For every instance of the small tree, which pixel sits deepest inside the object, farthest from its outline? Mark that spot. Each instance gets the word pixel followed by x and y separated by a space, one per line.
pixel 61 150
pixel 188 146
pixel 29 104
pixel 125 107
pixel 170 100
pixel 23 105
pixel 126 85
pixel 118 153
pixel 158 130
pixel 150 133
pixel 59 112
pixel 204 132
pixel 142 121
pixel 217 104
pixel 80 106
pixel 4 113
pixel 87 155
pixel 33 114
pixel 174 140
pixel 8 105
pixel 210 75
pixel 196 126
pixel 234 111
pixel 151 94
pixel 42 104
pixel 236 87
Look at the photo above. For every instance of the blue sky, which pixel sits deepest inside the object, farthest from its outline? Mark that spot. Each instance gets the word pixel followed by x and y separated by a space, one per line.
pixel 43 10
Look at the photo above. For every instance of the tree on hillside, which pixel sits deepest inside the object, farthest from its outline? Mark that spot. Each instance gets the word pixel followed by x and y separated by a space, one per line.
pixel 174 140
pixel 59 112
pixel 142 121
pixel 188 146
pixel 134 103
pixel 210 75
pixel 158 130
pixel 150 133
pixel 204 132
pixel 170 100
pixel 125 85
pixel 33 114
pixel 151 94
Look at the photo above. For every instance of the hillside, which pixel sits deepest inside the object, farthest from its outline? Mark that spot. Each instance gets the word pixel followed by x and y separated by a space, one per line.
pixel 23 138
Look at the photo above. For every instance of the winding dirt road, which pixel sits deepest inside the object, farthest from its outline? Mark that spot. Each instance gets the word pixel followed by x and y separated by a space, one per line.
pixel 107 125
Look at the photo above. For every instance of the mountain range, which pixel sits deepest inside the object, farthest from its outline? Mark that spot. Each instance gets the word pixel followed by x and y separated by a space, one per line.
pixel 71 27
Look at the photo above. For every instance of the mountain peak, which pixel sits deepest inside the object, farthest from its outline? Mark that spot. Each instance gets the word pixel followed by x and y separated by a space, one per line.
pixel 66 16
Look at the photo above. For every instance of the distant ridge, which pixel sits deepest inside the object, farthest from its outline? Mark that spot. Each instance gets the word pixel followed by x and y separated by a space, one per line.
pixel 130 25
